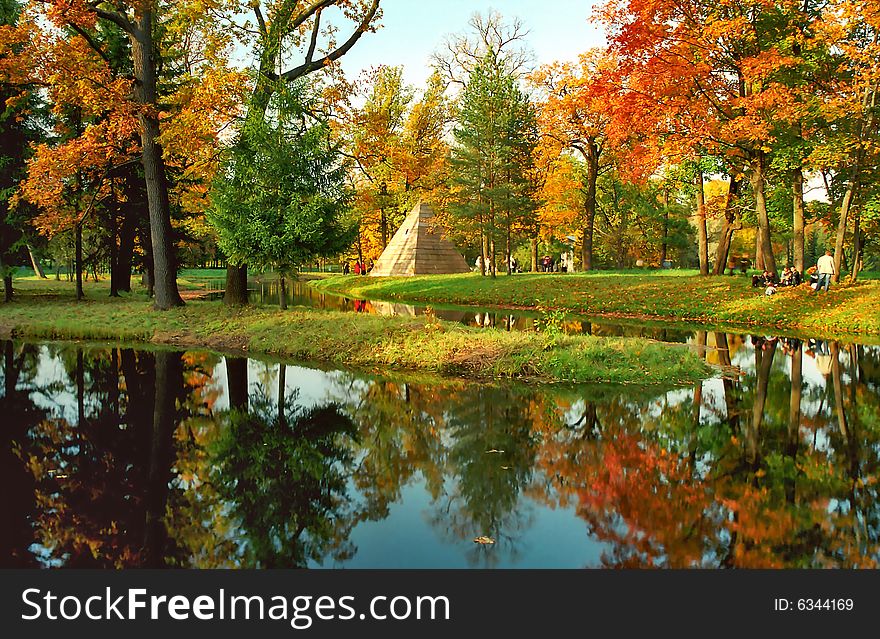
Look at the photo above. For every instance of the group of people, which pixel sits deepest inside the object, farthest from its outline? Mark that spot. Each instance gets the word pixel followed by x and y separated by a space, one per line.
pixel 790 277
pixel 546 264
pixel 360 268
pixel 820 276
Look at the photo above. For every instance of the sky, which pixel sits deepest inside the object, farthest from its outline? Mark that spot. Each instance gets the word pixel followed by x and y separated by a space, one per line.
pixel 413 29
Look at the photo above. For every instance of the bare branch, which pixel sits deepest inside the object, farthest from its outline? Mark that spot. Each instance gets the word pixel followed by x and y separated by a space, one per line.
pixel 311 52
pixel 312 65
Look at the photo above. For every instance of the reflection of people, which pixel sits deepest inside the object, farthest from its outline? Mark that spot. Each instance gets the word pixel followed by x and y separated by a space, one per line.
pixel 825 268
pixel 821 352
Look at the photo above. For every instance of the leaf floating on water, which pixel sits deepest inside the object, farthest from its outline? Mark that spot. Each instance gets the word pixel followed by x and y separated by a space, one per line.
pixel 494 450
pixel 505 468
pixel 484 540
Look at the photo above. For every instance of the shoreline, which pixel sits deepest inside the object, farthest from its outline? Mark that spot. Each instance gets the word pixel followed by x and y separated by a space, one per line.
pixel 787 307
pixel 370 343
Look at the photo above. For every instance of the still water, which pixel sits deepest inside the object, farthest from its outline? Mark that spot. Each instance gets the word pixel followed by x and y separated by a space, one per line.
pixel 113 457
pixel 301 294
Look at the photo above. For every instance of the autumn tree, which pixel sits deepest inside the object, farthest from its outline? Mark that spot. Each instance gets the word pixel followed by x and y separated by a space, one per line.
pixel 18 128
pixel 138 20
pixel 727 81
pixel 396 141
pixel 578 114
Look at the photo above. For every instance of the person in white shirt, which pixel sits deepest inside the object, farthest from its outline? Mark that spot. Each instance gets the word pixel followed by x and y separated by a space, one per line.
pixel 825 269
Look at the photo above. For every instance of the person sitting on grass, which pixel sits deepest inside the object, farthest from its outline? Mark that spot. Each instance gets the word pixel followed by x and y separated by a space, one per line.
pixel 786 278
pixel 814 277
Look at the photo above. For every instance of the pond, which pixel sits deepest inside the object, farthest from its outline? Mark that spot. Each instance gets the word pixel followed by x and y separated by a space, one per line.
pixel 116 457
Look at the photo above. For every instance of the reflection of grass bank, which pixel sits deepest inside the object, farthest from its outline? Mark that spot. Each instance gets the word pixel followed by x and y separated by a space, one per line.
pixel 350 339
pixel 730 301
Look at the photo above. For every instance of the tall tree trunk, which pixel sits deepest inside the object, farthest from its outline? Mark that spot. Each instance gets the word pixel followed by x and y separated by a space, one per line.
pixel 797 193
pixel 664 246
pixel 492 269
pixel 507 251
pixel 759 250
pixel 38 268
pixel 484 253
pixel 134 189
pixel 857 246
pixel 592 159
pixel 702 233
pixel 282 291
pixel 533 253
pixel 7 277
pixel 729 227
pixel 113 240
pixel 164 262
pixel 759 167
pixel 78 260
pixel 236 293
pixel 845 207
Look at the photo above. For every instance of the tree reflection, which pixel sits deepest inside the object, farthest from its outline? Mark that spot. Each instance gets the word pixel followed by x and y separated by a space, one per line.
pixel 281 469
pixel 121 458
pixel 20 415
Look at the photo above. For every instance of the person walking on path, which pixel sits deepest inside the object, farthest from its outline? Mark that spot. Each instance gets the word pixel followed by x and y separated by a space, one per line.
pixel 825 268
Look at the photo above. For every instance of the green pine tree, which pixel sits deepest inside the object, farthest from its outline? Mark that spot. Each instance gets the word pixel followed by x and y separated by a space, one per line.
pixel 491 160
pixel 281 200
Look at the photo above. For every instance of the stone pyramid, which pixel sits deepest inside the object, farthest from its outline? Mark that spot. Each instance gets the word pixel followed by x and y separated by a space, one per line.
pixel 416 250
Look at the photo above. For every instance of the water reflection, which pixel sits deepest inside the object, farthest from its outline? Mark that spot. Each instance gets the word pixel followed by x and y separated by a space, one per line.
pixel 301 294
pixel 115 458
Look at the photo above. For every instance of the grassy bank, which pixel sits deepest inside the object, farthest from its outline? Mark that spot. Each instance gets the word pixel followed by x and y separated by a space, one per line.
pixel 849 309
pixel 45 310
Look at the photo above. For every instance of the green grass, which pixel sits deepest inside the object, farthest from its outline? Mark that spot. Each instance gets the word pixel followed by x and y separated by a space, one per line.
pixel 46 310
pixel 670 296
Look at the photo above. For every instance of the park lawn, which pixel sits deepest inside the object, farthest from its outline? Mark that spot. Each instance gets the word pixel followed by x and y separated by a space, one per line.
pixel 682 297
pixel 366 342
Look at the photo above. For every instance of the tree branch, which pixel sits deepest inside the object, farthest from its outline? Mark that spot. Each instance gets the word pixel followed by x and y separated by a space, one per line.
pixel 316 8
pixel 310 54
pixel 309 66
pixel 91 42
pixel 260 20
pixel 117 18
